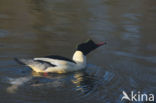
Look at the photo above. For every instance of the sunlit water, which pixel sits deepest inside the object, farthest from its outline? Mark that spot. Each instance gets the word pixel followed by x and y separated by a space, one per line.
pixel 30 28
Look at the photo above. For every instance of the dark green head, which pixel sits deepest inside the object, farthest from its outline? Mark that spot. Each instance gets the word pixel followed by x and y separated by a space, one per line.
pixel 89 46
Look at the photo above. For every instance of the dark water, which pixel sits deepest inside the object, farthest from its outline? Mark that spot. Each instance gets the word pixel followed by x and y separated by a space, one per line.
pixel 30 28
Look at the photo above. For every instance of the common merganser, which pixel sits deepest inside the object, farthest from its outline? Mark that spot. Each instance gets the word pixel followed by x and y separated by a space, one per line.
pixel 59 64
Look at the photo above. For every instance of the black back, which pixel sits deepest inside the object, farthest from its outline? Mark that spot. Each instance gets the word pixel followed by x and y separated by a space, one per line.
pixel 87 47
pixel 46 63
pixel 60 58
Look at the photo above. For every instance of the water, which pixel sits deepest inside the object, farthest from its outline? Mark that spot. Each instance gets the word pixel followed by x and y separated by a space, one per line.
pixel 30 28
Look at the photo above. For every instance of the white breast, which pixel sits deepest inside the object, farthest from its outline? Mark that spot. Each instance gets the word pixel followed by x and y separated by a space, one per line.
pixel 80 59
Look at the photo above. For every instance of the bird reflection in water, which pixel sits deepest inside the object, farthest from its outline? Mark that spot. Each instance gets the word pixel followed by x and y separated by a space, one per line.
pixel 48 80
pixel 16 83
pixel 82 81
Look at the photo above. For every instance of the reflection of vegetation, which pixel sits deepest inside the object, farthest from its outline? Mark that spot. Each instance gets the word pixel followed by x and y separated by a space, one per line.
pixel 38 3
pixel 55 18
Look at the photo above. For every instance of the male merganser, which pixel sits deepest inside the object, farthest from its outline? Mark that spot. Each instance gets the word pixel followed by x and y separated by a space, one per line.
pixel 59 64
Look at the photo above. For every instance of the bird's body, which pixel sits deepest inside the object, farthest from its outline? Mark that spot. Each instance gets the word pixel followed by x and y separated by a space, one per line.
pixel 59 64
pixel 56 64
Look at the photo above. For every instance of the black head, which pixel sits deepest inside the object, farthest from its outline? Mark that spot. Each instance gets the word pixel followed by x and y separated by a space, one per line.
pixel 89 46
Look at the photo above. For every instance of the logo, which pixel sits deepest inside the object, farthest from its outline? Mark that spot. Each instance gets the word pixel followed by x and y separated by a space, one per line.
pixel 138 97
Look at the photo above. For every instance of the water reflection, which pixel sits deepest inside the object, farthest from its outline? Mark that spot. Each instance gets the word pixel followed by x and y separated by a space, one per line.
pixel 16 83
pixel 93 82
pixel 82 81
pixel 88 83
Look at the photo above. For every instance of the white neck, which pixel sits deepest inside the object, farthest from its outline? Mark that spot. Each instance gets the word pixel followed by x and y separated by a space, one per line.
pixel 79 58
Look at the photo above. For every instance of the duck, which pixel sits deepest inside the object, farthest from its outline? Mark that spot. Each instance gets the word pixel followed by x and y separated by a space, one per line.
pixel 60 64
